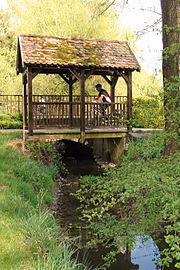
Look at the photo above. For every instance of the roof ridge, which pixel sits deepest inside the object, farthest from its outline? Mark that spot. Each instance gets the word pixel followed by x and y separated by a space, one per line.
pixel 75 38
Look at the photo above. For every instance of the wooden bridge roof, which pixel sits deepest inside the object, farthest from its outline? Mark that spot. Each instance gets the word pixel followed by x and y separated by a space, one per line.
pixel 56 53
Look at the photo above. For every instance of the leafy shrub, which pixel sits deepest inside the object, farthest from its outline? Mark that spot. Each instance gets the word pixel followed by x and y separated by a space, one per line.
pixel 11 121
pixel 138 197
pixel 147 113
pixel 149 147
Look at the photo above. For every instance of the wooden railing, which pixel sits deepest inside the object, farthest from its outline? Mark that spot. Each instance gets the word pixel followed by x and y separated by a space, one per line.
pixel 13 103
pixel 57 111
pixel 67 114
pixel 10 104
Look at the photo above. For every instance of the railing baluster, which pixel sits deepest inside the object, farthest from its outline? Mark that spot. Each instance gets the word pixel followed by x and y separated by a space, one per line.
pixel 56 110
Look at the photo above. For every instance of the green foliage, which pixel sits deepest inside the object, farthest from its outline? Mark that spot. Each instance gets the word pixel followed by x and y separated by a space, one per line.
pixel 138 197
pixel 20 189
pixel 64 18
pixel 31 176
pixel 30 237
pixel 58 18
pixel 146 85
pixel 40 229
pixel 11 121
pixel 48 154
pixel 8 79
pixel 91 19
pixel 61 257
pixel 147 113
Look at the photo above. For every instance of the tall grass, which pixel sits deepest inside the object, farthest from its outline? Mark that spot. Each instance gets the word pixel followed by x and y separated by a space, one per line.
pixel 61 258
pixel 30 237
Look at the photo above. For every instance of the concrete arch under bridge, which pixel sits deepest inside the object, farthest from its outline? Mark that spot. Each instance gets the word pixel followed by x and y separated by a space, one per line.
pixel 106 148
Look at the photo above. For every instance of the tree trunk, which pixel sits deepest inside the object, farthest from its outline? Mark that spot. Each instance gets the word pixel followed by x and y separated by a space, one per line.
pixel 171 38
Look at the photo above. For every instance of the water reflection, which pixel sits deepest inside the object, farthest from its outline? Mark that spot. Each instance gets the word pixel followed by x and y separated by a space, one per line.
pixel 146 255
pixel 142 257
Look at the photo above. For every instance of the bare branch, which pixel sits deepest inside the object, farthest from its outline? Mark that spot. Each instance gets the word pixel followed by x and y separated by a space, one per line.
pixel 149 28
pixel 150 10
pixel 112 3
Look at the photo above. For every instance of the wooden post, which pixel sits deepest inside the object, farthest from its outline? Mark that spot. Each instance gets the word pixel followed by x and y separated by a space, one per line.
pixel 114 80
pixel 70 82
pixel 25 98
pixel 23 107
pixel 81 76
pixel 70 100
pixel 129 101
pixel 113 85
pixel 30 102
pixel 82 114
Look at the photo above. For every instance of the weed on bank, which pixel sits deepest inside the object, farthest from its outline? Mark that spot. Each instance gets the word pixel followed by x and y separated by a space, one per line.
pixel 30 237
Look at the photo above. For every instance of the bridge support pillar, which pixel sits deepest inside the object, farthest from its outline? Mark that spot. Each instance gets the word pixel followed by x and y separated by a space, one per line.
pixel 109 149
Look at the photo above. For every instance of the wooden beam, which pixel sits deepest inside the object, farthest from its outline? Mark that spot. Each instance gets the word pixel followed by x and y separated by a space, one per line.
pixel 78 73
pixel 124 75
pixel 114 80
pixel 67 79
pixel 106 78
pixel 30 102
pixel 81 76
pixel 34 74
pixel 64 78
pixel 75 73
pixel 75 134
pixel 71 81
pixel 23 101
pixel 129 102
pixel 89 73
pixel 82 114
pixel 24 79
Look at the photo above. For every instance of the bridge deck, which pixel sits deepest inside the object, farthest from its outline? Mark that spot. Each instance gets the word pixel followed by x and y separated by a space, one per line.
pixel 75 134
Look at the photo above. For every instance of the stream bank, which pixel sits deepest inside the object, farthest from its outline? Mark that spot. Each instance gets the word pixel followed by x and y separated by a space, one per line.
pixel 66 212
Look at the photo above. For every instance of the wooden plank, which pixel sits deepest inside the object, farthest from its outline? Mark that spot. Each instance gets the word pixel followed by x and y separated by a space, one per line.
pixel 89 134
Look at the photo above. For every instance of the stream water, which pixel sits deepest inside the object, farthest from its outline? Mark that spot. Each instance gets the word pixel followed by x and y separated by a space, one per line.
pixel 142 257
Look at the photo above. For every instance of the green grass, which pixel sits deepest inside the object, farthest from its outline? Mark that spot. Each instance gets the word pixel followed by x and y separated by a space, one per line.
pixel 30 237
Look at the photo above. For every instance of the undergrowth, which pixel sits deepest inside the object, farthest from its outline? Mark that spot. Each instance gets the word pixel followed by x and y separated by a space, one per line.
pixel 30 237
pixel 138 197
pixel 11 121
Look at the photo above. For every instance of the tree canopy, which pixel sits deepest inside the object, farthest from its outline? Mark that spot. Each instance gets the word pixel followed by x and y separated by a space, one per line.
pixel 83 18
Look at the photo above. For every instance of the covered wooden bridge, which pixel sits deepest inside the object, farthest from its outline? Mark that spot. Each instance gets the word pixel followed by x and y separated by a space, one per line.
pixel 75 59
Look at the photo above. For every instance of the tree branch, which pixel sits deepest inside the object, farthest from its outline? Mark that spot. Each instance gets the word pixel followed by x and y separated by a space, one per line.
pixel 112 3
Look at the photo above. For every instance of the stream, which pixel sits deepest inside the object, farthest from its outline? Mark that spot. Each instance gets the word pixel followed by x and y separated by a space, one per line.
pixel 141 257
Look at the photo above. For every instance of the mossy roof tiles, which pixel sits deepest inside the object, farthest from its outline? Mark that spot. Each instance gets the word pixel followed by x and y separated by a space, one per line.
pixel 78 52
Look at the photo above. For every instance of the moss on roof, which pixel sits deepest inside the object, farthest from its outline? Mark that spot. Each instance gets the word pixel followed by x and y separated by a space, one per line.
pixel 56 51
